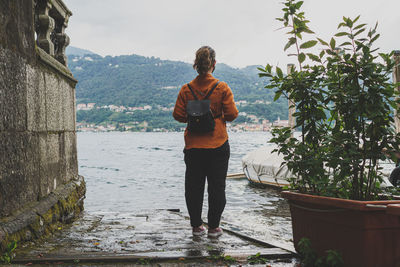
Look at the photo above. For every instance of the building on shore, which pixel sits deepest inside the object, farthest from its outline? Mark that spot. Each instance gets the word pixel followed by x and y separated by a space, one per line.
pixel 280 123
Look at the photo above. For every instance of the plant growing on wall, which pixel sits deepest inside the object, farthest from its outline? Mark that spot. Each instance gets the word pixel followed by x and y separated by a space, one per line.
pixel 344 104
pixel 8 254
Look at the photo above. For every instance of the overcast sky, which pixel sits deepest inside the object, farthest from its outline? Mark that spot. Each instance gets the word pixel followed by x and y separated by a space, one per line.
pixel 243 32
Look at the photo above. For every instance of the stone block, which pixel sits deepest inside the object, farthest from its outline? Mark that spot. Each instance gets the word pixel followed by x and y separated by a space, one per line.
pixel 68 105
pixel 16 27
pixel 63 159
pixel 36 100
pixel 19 174
pixel 12 91
pixel 70 155
pixel 53 103
pixel 49 165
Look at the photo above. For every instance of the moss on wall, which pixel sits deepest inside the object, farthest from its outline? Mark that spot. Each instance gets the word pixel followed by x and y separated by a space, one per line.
pixel 67 205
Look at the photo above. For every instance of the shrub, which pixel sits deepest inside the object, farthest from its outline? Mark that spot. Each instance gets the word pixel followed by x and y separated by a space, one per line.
pixel 344 102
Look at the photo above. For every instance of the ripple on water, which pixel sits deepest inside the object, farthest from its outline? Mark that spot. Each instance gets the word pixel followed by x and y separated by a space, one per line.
pixel 134 172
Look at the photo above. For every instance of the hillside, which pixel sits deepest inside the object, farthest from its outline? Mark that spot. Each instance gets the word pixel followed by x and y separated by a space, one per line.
pixel 136 81
pixel 72 50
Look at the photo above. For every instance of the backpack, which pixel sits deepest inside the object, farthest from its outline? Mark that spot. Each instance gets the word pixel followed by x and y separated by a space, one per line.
pixel 199 115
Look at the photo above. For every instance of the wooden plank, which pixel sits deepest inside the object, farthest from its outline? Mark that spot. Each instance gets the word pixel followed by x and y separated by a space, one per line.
pixel 269 184
pixel 238 231
pixel 271 253
pixel 268 253
pixel 236 176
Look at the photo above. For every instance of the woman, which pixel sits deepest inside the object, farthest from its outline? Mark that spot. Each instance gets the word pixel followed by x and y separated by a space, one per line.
pixel 206 154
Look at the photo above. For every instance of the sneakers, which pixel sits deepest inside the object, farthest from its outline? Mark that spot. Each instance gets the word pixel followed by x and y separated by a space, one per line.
pixel 215 232
pixel 198 231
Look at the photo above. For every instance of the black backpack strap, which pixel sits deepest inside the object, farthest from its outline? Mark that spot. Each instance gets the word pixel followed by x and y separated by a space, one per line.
pixel 211 91
pixel 191 90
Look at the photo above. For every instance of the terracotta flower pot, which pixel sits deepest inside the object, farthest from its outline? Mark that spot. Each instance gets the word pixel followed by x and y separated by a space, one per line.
pixel 366 233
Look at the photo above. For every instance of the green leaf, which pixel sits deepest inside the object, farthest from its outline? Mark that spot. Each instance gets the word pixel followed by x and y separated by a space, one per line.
pixel 360 31
pixel 308 44
pixel 264 75
pixel 307 30
pixel 376 26
pixel 383 56
pixel 375 38
pixel 322 42
pixel 302 57
pixel 299 4
pixel 359 26
pixel 349 22
pixel 332 43
pixel 314 57
pixel 261 69
pixel 268 68
pixel 345 43
pixel 356 19
pixel 277 95
pixel 279 72
pixel 341 34
pixel 291 42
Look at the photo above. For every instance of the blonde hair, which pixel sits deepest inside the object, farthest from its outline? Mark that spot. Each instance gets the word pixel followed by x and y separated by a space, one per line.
pixel 205 59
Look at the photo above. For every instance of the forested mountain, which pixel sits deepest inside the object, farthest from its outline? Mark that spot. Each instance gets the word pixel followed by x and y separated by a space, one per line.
pixel 134 80
pixel 71 50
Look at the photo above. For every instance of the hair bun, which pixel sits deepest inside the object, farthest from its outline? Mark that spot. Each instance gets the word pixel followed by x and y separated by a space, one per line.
pixel 205 59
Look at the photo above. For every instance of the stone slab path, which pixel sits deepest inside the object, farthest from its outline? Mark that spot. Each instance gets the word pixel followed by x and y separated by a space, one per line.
pixel 153 236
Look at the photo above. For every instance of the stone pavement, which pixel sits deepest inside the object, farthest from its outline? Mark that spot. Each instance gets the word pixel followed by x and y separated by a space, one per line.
pixel 157 236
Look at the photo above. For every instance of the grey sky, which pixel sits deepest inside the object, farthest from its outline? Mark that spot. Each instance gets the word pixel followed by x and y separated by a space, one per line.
pixel 243 32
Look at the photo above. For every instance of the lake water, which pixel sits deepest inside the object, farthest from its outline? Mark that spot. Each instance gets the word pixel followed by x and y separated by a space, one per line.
pixel 137 172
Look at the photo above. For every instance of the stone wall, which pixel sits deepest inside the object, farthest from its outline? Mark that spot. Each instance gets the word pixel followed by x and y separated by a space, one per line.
pixel 38 154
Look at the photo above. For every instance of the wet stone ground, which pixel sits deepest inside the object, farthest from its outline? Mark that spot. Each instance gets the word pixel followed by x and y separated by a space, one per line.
pixel 157 234
pixel 132 179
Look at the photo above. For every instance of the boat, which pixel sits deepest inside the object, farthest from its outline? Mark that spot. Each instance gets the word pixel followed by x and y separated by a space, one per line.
pixel 263 167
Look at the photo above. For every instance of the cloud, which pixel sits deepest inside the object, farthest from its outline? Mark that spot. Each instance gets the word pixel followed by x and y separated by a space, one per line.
pixel 243 32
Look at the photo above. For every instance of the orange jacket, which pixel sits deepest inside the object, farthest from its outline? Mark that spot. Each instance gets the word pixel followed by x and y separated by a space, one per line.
pixel 221 103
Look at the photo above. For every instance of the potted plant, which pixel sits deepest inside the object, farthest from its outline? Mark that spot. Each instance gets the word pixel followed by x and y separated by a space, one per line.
pixel 344 103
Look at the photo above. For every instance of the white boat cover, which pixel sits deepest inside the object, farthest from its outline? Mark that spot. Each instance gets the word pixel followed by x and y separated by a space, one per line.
pixel 265 166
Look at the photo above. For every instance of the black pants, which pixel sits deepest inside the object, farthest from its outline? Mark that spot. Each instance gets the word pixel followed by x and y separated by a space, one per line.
pixel 213 164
